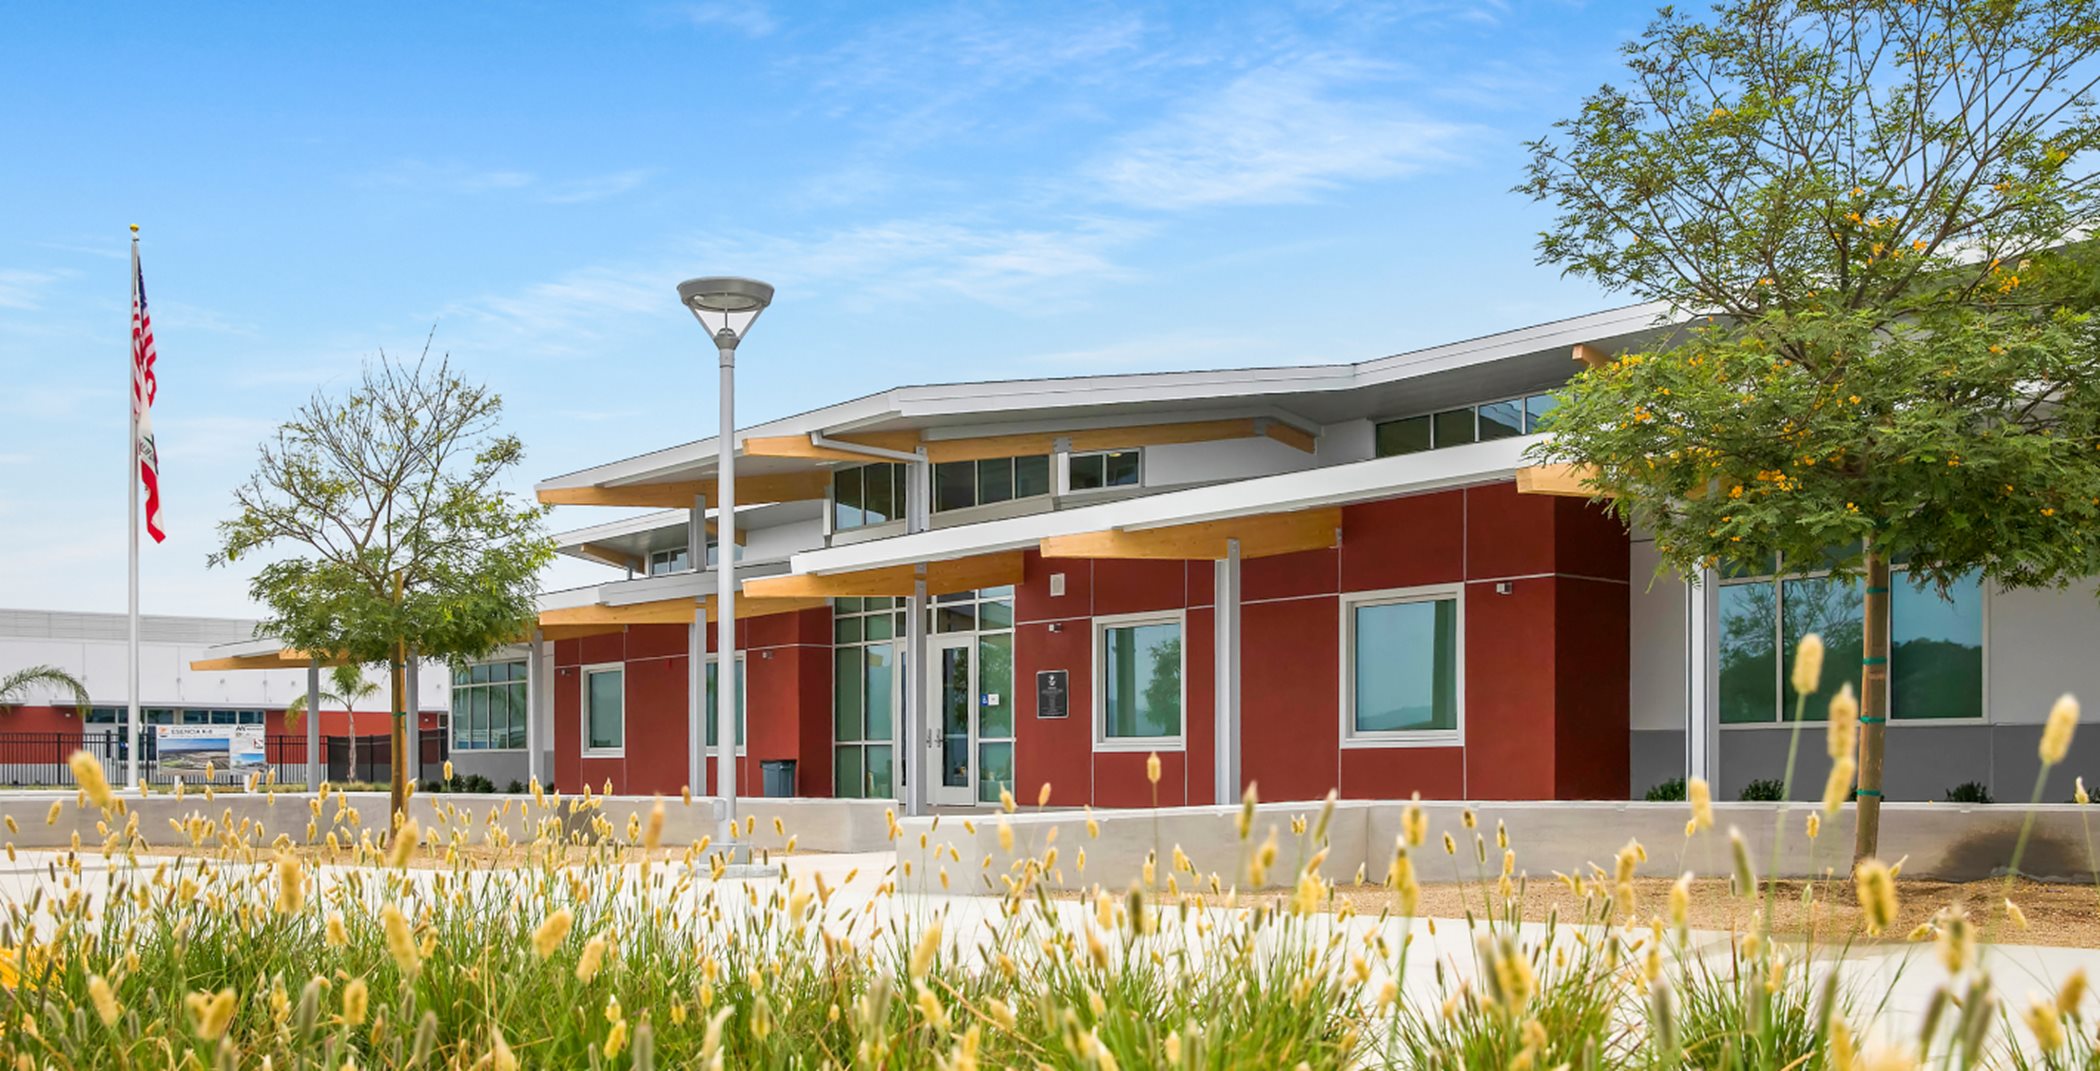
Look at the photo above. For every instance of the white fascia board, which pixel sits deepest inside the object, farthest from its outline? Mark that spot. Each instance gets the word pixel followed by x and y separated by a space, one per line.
pixel 702 451
pixel 1359 481
pixel 1142 388
pixel 653 588
pixel 655 520
pixel 647 522
pixel 244 648
pixel 1490 348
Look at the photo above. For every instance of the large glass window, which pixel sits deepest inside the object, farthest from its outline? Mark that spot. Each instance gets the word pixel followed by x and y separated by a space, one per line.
pixel 862 495
pixel 1404 665
pixel 1935 646
pixel 1454 426
pixel 675 560
pixel 1105 468
pixel 604 709
pixel 1139 683
pixel 1936 651
pixel 488 706
pixel 1409 435
pixel 1502 419
pixel 713 690
pixel 985 482
pixel 864 691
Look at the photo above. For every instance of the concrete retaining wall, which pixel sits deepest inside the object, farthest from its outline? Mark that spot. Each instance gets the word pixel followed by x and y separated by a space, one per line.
pixel 818 825
pixel 1951 842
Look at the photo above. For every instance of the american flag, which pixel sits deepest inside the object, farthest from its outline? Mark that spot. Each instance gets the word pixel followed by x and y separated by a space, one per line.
pixel 144 385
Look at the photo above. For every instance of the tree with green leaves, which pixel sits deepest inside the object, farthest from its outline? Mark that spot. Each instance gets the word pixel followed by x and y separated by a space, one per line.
pixel 15 687
pixel 393 531
pixel 347 688
pixel 1869 222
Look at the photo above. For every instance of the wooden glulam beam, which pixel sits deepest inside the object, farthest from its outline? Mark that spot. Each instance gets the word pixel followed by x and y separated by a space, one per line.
pixel 605 555
pixel 679 494
pixel 1591 356
pixel 656 612
pixel 1568 480
pixel 942 577
pixel 1292 436
pixel 1262 536
pixel 579 621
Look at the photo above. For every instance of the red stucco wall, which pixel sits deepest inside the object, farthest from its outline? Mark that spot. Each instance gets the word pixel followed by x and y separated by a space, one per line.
pixel 1545 673
pixel 787 660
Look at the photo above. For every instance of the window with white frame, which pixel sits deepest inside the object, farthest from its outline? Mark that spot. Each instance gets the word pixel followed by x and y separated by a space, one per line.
pixel 863 495
pixel 488 706
pixel 1936 643
pixel 604 709
pixel 865 693
pixel 674 560
pixel 1138 694
pixel 1103 469
pixel 1403 666
pixel 714 690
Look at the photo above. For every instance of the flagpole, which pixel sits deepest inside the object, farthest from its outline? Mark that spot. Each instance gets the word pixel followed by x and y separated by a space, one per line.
pixel 131 477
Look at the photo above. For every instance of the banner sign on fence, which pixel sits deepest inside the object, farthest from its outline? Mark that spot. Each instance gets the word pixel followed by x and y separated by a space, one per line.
pixel 225 747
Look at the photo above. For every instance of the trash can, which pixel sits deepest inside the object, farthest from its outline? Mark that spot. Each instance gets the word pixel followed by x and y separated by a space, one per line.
pixel 777 778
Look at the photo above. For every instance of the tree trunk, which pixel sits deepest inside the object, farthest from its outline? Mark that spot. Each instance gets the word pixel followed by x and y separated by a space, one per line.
pixel 398 776
pixel 1873 702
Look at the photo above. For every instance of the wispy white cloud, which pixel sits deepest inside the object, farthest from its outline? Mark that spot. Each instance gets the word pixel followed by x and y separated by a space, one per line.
pixel 421 175
pixel 1013 267
pixel 749 19
pixel 200 440
pixel 1279 133
pixel 22 289
pixel 185 317
pixel 1158 352
pixel 597 188
pixel 454 179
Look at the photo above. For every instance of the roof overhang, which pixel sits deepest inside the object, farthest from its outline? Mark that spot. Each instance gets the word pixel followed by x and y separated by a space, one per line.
pixel 1289 493
pixel 1301 398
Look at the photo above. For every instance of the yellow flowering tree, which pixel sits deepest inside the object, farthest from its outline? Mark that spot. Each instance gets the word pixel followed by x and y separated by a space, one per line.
pixel 1868 222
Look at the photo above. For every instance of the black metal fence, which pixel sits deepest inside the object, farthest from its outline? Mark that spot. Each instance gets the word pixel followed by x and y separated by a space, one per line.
pixel 41 759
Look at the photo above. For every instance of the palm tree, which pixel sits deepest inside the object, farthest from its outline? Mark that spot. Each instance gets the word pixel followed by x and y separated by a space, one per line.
pixel 347 686
pixel 15 687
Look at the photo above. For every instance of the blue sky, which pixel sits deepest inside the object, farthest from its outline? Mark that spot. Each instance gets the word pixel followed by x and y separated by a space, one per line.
pixel 940 192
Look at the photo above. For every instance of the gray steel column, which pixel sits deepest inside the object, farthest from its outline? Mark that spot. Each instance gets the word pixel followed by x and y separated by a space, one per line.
pixel 918 734
pixel 413 733
pixel 725 599
pixel 918 514
pixel 535 689
pixel 1702 735
pixel 696 655
pixel 313 725
pixel 1225 718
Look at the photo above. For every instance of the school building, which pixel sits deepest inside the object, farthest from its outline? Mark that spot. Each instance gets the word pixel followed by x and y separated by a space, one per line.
pixel 1347 576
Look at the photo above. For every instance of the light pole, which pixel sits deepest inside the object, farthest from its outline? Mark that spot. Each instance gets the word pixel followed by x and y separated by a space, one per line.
pixel 725 307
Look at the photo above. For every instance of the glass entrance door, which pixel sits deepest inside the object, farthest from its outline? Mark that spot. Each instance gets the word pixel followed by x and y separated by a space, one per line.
pixel 955 689
pixel 971 747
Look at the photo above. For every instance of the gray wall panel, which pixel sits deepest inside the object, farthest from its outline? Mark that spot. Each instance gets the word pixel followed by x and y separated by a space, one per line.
pixel 1658 755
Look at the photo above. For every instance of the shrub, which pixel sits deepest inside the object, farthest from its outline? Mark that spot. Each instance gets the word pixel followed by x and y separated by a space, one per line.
pixel 1970 792
pixel 1667 791
pixel 1763 790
